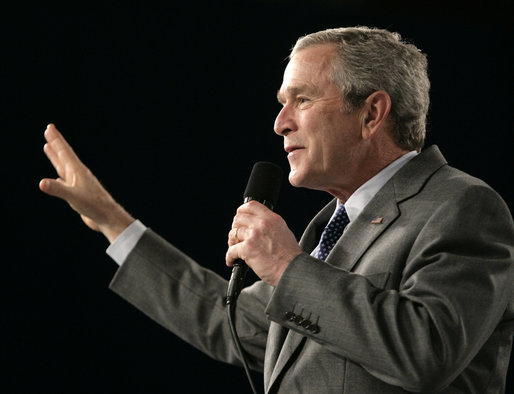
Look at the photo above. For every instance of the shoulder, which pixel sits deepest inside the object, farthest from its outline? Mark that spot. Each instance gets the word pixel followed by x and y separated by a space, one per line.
pixel 429 175
pixel 453 186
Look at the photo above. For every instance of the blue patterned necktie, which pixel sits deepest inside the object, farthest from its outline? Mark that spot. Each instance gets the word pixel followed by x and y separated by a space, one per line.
pixel 332 232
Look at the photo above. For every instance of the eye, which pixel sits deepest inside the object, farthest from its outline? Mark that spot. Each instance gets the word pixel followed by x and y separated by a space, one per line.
pixel 302 100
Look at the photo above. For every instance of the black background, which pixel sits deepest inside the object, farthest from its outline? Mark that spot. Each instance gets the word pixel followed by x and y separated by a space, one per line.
pixel 170 104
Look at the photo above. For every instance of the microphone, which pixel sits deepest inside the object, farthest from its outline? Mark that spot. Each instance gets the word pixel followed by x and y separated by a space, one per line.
pixel 263 186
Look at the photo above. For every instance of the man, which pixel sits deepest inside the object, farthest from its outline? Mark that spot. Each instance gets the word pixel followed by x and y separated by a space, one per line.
pixel 416 295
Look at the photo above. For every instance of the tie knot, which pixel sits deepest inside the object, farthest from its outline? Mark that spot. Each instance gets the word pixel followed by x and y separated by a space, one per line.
pixel 332 232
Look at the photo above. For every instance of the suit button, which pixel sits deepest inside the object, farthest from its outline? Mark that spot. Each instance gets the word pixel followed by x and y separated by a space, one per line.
pixel 289 316
pixel 314 328
pixel 298 320
pixel 306 324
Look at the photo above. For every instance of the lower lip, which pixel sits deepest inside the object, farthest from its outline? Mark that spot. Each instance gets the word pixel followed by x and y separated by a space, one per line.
pixel 292 153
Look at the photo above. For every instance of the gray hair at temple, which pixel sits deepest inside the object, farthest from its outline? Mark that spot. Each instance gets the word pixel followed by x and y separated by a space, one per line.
pixel 371 59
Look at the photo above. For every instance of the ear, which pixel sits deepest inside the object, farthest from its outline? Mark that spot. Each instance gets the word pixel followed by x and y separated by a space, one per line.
pixel 376 110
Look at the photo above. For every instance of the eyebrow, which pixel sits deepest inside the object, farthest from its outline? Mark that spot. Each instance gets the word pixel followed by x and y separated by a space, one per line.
pixel 294 91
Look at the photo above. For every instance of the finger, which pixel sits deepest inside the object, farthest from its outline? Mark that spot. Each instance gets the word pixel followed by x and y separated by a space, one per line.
pixel 54 188
pixel 62 150
pixel 233 253
pixel 51 133
pixel 243 220
pixel 54 159
pixel 236 235
pixel 232 236
pixel 253 208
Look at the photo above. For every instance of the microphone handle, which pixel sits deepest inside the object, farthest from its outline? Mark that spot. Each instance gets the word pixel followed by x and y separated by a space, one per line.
pixel 236 282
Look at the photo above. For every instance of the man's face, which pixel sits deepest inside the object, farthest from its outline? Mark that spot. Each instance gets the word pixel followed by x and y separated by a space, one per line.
pixel 322 140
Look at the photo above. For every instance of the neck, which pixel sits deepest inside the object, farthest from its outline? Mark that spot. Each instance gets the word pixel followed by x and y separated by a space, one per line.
pixel 368 167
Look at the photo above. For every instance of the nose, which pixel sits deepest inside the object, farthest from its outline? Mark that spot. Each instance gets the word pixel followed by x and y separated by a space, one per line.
pixel 284 122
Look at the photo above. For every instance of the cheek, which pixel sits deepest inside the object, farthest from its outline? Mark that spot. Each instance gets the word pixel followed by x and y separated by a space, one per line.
pixel 324 134
pixel 334 139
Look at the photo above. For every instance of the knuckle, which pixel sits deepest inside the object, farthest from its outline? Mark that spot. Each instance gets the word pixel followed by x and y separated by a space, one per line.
pixel 263 224
pixel 252 233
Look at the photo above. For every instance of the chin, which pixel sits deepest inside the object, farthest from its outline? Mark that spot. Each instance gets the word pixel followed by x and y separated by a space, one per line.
pixel 307 180
pixel 293 178
pixel 296 179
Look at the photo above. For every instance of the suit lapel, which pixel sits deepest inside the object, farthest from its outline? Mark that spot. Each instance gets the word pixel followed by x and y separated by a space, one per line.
pixel 363 231
pixel 376 217
pixel 383 209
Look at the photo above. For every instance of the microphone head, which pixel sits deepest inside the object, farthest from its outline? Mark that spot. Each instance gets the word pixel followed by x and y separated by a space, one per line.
pixel 264 184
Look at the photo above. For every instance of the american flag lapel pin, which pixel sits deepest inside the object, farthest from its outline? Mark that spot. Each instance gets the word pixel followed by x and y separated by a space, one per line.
pixel 377 220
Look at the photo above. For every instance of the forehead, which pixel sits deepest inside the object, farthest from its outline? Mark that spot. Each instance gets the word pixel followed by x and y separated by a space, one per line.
pixel 309 69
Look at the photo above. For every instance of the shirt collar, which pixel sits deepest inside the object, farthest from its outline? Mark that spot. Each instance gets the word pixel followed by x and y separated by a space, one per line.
pixel 360 198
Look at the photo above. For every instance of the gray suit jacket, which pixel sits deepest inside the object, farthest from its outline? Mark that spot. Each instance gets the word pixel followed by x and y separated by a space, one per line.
pixel 420 299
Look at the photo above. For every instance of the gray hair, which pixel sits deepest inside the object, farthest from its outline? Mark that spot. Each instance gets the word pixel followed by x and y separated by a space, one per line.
pixel 371 59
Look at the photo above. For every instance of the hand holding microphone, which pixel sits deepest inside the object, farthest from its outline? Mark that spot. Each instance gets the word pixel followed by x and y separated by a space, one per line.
pixel 259 236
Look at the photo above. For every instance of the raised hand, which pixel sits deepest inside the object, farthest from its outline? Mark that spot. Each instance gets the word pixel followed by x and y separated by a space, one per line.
pixel 78 186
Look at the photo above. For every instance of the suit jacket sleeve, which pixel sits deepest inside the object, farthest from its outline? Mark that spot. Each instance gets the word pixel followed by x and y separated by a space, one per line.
pixel 188 299
pixel 423 298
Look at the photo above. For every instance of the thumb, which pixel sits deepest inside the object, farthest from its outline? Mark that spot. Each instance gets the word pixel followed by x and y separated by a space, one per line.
pixel 54 188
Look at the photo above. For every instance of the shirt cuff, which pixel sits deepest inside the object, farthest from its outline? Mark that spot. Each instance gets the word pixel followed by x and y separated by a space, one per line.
pixel 126 241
